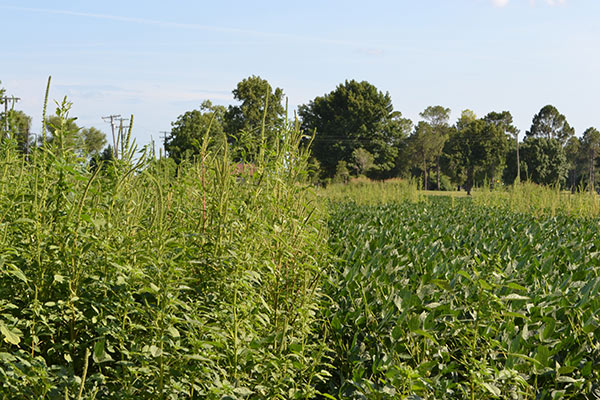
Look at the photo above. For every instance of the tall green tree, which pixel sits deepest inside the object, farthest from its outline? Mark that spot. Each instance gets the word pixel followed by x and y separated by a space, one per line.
pixel 590 145
pixel 550 124
pixel 438 117
pixel 423 148
pixel 187 132
pixel 575 162
pixel 244 122
pixel 355 115
pixel 544 160
pixel 504 121
pixel 93 140
pixel 474 148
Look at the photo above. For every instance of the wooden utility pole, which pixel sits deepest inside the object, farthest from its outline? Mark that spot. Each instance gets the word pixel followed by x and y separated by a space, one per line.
pixel 6 99
pixel 111 119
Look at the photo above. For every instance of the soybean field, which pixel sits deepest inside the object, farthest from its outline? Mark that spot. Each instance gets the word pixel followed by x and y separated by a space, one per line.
pixel 446 299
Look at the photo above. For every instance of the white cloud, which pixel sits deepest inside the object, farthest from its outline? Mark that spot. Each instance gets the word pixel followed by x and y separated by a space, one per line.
pixel 500 3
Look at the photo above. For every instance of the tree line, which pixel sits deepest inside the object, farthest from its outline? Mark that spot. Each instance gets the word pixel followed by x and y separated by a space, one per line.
pixel 355 131
pixel 87 141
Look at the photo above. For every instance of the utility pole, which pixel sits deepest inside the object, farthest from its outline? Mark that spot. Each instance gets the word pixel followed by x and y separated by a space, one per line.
pixel 164 139
pixel 111 119
pixel 6 99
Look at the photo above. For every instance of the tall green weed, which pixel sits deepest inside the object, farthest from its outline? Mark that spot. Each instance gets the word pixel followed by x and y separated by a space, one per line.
pixel 137 279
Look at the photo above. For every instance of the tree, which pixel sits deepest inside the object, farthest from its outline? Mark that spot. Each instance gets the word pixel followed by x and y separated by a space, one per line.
pixel 93 140
pixel 466 117
pixel 544 160
pixel 437 117
pixel 423 147
pixel 19 125
pixel 475 147
pixel 244 122
pixel 362 161
pixel 187 132
pixel 86 141
pixel 550 124
pixel 573 150
pixel 591 148
pixel 355 115
pixel 504 121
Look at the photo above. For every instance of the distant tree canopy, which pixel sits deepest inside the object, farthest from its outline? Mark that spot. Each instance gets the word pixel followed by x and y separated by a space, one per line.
pixel 356 115
pixel 423 148
pixel 87 141
pixel 244 122
pixel 19 126
pixel 357 132
pixel 550 124
pixel 544 161
pixel 478 147
pixel 188 131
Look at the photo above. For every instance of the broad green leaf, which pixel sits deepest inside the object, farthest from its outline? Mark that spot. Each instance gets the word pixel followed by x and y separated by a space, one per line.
pixel 11 336
pixel 100 355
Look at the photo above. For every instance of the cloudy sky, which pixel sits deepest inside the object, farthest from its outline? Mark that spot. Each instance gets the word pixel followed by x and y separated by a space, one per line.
pixel 158 59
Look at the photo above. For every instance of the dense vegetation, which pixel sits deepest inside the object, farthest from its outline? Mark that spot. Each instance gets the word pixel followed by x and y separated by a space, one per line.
pixel 222 273
pixel 132 279
pixel 445 299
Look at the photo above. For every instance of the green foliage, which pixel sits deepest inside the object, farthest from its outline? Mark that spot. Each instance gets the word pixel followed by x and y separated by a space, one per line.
pixel 488 304
pixel 354 115
pixel 438 116
pixel 365 191
pixel 185 138
pixel 257 121
pixel 362 161
pixel 550 124
pixel 543 161
pixel 342 174
pixel 478 147
pixel 92 140
pixel 130 282
pixel 423 148
pixel 19 125
pixel 575 161
pixel 590 149
pixel 67 136
pixel 541 201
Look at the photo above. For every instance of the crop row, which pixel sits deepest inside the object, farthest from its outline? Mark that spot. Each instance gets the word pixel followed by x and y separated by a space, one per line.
pixel 446 299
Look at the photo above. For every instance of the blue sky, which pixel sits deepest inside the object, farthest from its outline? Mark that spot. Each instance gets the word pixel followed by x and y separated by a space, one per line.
pixel 158 59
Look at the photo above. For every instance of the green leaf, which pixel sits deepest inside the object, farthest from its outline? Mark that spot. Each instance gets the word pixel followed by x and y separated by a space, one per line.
pixel 16 272
pixel 100 355
pixel 173 332
pixel 11 336
pixel 491 388
pixel 515 296
pixel 515 286
pixel 155 351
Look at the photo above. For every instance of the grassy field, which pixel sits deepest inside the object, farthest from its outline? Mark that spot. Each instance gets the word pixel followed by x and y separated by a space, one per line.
pixel 137 279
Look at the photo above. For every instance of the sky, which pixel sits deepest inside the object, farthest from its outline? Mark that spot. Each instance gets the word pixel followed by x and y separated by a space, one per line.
pixel 158 59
